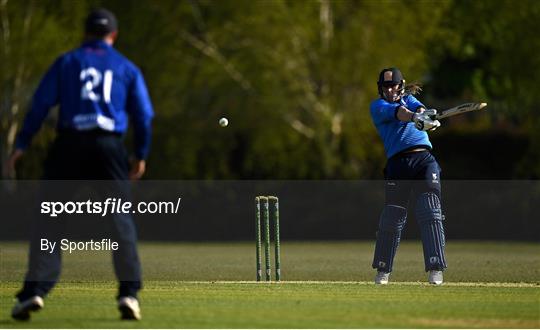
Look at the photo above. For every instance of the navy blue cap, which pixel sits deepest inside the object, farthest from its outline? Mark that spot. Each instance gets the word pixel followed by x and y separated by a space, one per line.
pixel 100 22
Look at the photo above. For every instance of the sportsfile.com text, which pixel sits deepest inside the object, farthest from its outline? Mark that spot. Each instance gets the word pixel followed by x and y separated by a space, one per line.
pixel 109 206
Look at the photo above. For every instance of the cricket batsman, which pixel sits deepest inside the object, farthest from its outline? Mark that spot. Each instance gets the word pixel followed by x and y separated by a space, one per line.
pixel 411 172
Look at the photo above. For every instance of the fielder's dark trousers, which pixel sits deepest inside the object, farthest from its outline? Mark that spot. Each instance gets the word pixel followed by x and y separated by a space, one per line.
pixel 89 156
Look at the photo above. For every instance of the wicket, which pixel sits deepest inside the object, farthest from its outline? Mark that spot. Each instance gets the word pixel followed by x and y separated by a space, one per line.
pixel 270 211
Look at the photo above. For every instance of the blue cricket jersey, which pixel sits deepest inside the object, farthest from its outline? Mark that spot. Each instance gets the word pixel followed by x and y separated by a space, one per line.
pixel 397 135
pixel 96 87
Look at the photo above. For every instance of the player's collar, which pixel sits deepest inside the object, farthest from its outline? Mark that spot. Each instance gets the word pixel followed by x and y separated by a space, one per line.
pixel 96 43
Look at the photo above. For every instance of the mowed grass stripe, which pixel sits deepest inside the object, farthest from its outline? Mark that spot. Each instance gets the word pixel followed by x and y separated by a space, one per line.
pixel 289 305
pixel 458 284
pixel 469 262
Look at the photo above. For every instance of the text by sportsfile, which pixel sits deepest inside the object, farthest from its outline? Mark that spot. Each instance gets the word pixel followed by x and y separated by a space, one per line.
pixel 105 244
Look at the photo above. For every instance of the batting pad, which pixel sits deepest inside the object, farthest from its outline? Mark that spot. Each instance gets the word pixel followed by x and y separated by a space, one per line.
pixel 391 224
pixel 429 216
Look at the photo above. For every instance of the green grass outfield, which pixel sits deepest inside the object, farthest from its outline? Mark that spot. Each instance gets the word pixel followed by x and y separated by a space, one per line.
pixel 325 285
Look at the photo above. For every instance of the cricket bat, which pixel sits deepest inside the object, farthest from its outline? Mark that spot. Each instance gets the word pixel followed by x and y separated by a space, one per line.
pixel 466 107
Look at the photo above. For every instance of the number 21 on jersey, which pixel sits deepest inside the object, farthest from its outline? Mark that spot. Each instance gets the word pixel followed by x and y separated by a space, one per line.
pixel 93 79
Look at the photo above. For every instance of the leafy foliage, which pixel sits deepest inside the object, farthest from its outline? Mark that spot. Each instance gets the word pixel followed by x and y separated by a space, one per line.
pixel 295 78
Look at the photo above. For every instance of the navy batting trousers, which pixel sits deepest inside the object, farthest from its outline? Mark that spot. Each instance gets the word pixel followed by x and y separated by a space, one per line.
pixel 411 176
pixel 89 156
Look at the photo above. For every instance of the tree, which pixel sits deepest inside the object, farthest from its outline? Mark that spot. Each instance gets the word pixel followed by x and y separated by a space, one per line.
pixel 31 36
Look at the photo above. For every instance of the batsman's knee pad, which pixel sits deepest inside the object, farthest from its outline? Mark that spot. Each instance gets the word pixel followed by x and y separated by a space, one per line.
pixel 429 217
pixel 392 219
pixel 391 223
pixel 428 207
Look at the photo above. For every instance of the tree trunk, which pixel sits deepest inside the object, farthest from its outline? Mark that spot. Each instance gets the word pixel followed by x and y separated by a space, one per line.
pixel 10 106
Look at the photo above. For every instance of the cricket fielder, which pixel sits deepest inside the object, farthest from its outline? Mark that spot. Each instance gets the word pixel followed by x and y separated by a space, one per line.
pixel 411 170
pixel 97 90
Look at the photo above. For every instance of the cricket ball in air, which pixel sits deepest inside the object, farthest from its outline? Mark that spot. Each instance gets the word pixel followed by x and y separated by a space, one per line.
pixel 223 122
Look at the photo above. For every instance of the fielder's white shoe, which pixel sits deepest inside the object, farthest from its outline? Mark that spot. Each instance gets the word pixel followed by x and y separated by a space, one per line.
pixel 21 310
pixel 129 308
pixel 382 278
pixel 435 277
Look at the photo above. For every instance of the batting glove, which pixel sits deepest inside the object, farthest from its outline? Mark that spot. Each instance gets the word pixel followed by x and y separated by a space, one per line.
pixel 424 121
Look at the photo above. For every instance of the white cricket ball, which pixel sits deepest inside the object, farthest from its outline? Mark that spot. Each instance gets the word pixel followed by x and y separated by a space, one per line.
pixel 223 122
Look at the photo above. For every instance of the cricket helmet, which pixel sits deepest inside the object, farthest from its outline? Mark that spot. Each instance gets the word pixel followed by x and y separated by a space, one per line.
pixel 391 76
